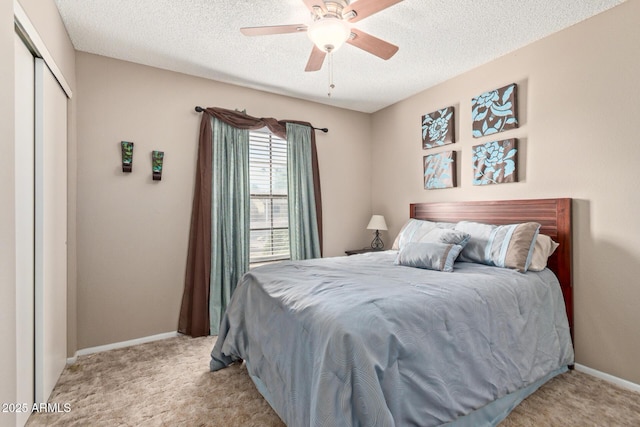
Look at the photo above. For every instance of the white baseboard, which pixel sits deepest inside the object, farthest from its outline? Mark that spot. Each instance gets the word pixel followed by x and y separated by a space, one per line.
pixel 122 344
pixel 615 380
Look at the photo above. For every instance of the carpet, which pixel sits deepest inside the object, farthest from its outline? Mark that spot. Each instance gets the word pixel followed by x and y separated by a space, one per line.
pixel 168 383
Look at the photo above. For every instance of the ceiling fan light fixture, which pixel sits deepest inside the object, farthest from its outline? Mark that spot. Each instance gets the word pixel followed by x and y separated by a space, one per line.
pixel 329 33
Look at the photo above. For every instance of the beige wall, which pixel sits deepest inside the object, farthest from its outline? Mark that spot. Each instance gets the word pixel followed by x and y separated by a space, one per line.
pixel 579 97
pixel 132 231
pixel 45 18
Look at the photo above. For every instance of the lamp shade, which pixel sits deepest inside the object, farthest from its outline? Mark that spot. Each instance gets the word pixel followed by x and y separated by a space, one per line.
pixel 377 223
pixel 329 33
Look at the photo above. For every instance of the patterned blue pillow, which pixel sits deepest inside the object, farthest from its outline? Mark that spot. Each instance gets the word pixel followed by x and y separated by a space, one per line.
pixel 508 246
pixel 431 256
pixel 419 231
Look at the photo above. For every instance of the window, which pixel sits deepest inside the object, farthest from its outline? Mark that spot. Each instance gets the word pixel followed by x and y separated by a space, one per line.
pixel 269 235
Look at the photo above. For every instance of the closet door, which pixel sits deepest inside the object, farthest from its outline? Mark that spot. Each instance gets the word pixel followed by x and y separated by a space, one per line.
pixel 25 235
pixel 50 231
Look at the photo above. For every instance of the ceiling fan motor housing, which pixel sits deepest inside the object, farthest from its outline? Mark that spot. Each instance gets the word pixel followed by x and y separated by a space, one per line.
pixel 333 8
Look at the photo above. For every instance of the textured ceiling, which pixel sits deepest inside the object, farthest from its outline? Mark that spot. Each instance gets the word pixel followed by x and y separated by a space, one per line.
pixel 438 39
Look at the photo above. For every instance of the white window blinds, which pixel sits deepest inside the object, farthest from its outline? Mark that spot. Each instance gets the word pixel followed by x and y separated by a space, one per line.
pixel 269 224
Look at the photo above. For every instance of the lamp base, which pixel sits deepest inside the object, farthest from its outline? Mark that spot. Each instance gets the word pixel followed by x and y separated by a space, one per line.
pixel 377 242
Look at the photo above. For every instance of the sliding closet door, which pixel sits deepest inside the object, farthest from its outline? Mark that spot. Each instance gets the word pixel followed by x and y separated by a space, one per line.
pixel 51 230
pixel 25 235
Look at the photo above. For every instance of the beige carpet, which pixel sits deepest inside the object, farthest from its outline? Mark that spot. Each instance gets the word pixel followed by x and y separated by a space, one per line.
pixel 168 383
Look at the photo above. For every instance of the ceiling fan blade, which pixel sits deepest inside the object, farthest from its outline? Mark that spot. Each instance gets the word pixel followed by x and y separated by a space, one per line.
pixel 318 3
pixel 315 59
pixel 364 8
pixel 371 44
pixel 274 29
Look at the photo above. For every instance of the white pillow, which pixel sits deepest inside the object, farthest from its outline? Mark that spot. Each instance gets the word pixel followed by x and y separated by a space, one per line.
pixel 542 250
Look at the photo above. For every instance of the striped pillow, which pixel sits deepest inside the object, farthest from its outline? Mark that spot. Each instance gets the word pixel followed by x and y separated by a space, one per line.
pixel 507 246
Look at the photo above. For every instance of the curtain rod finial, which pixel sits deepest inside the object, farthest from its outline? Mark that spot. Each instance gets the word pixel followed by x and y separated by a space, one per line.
pixel 199 109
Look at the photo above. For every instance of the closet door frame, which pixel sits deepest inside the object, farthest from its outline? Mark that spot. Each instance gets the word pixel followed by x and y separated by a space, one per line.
pixel 51 93
pixel 50 231
pixel 25 224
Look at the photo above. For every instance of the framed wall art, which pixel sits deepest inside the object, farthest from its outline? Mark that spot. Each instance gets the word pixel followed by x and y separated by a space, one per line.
pixel 157 159
pixel 495 162
pixel 494 111
pixel 440 170
pixel 438 128
pixel 126 148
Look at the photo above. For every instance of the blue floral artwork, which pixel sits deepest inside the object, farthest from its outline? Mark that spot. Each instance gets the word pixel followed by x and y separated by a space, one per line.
pixel 494 111
pixel 495 162
pixel 438 128
pixel 157 158
pixel 440 170
pixel 127 156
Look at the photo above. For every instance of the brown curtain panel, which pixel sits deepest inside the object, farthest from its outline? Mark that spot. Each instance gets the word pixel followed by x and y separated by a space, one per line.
pixel 194 311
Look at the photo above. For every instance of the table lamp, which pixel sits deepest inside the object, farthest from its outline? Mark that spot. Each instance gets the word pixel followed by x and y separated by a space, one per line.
pixel 377 223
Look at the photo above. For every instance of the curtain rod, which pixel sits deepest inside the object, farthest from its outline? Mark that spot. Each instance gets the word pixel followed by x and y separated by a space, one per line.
pixel 325 130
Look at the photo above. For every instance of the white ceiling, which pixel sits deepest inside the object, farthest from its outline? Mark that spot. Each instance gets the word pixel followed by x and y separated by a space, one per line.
pixel 438 40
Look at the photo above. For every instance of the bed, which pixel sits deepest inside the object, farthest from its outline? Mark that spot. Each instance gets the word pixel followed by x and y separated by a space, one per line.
pixel 355 341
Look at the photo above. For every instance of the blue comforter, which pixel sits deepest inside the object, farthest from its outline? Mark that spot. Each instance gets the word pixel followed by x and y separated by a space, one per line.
pixel 358 341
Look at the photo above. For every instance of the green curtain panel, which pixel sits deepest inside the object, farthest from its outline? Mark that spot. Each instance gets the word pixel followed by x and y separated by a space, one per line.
pixel 304 242
pixel 229 216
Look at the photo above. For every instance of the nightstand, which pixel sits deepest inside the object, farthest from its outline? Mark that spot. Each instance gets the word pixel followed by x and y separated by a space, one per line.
pixel 361 251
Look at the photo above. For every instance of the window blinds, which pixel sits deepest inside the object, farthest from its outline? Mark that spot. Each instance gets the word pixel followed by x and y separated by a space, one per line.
pixel 269 236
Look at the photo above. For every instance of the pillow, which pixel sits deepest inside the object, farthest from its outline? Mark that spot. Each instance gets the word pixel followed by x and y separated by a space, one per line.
pixel 410 228
pixel 445 235
pixel 416 230
pixel 542 250
pixel 508 246
pixel 431 256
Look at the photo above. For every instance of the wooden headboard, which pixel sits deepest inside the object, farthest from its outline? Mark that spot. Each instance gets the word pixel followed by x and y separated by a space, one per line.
pixel 554 215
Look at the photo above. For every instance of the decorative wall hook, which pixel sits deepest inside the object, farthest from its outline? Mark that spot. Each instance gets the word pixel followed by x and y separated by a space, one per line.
pixel 156 167
pixel 127 156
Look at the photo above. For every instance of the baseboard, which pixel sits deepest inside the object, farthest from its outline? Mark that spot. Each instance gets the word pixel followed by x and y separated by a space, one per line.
pixel 122 344
pixel 615 380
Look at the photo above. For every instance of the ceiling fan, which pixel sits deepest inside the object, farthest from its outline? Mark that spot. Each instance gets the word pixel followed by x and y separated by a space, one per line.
pixel 331 27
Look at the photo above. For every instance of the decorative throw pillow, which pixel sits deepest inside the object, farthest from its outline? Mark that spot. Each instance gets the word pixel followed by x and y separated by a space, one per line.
pixel 410 228
pixel 445 235
pixel 544 247
pixel 508 246
pixel 416 230
pixel 430 256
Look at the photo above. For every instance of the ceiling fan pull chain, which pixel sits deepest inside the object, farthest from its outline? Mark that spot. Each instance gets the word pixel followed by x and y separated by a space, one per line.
pixel 331 85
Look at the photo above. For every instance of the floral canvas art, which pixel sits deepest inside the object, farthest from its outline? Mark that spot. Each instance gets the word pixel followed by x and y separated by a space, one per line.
pixel 157 158
pixel 495 162
pixel 494 111
pixel 438 128
pixel 127 155
pixel 440 170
